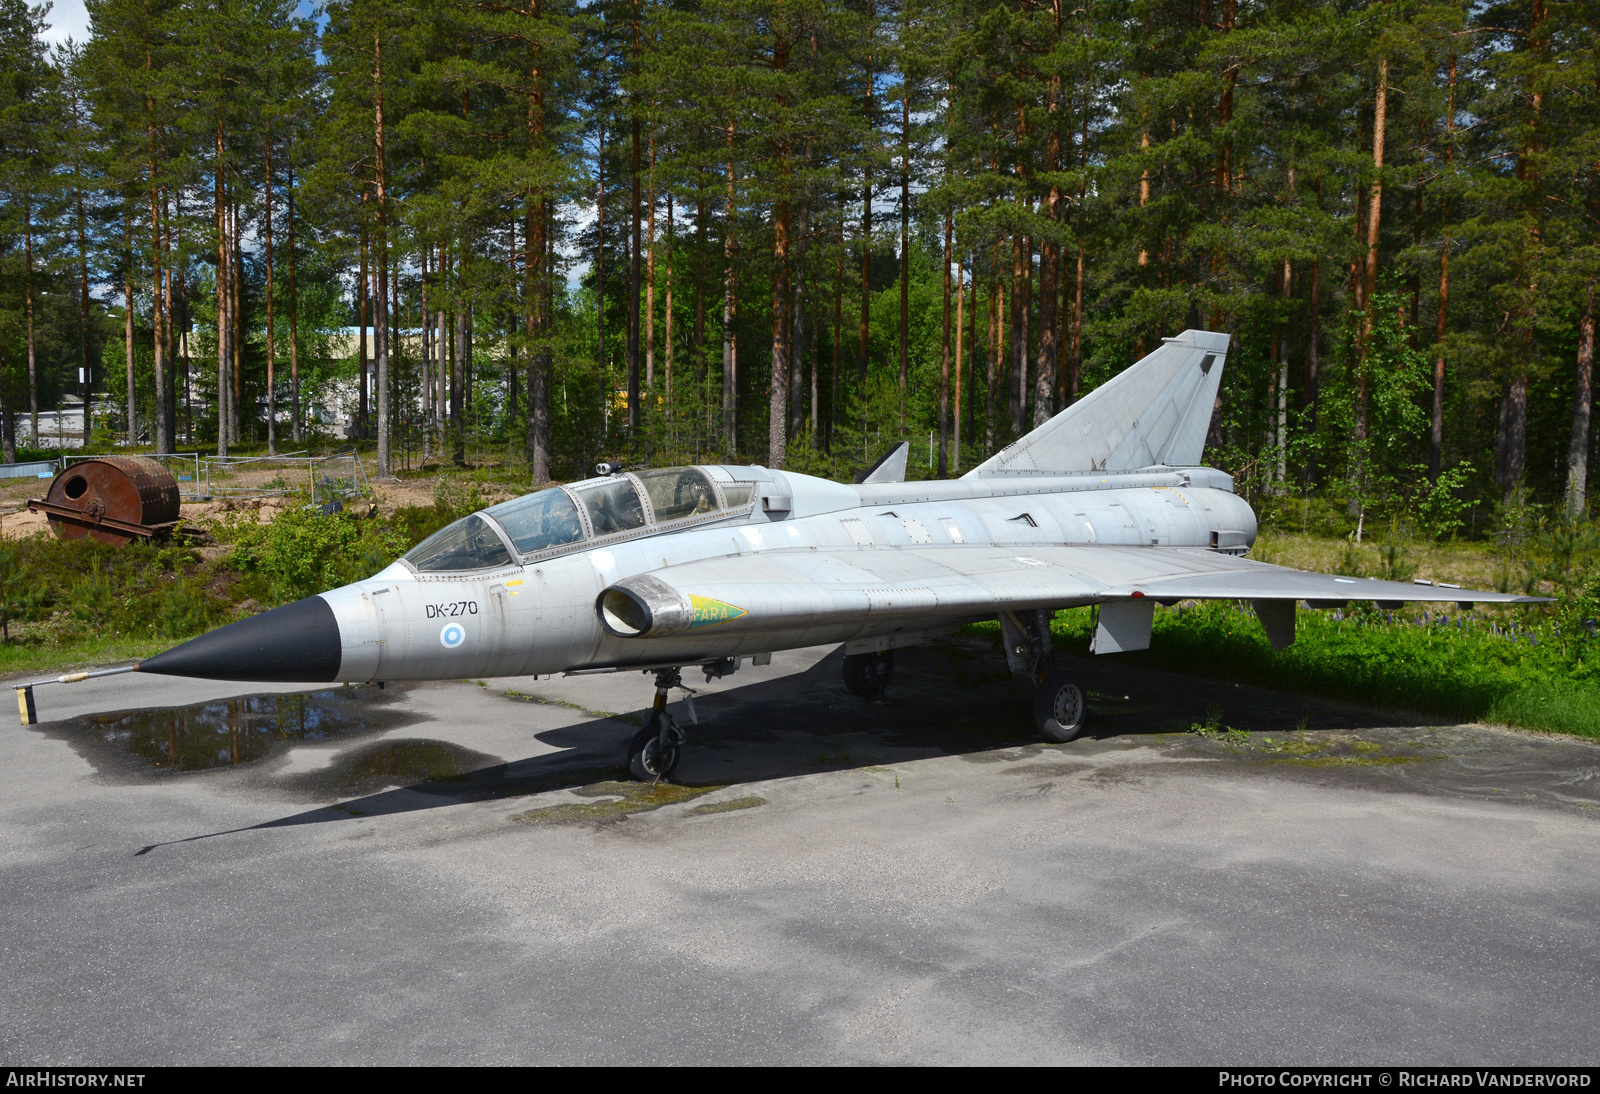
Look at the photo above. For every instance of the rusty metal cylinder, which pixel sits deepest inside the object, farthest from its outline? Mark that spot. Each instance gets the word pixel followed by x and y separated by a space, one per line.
pixel 113 499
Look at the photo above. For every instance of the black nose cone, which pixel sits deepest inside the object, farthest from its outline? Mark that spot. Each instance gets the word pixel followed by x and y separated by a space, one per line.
pixel 296 642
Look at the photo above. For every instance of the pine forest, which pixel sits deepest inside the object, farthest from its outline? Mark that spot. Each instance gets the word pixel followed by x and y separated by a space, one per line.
pixel 791 232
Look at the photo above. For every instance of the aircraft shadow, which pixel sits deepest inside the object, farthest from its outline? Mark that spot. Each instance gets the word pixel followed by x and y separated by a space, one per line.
pixel 954 697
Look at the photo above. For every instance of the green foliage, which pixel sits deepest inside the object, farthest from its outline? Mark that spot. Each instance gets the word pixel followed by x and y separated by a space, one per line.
pixel 304 551
pixel 1441 507
pixel 17 592
pixel 62 592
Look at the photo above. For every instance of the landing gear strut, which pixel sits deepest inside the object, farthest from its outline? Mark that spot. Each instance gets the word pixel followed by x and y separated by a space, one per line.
pixel 1060 705
pixel 654 751
pixel 868 674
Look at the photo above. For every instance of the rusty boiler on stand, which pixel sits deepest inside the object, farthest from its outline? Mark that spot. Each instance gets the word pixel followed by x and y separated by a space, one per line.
pixel 114 499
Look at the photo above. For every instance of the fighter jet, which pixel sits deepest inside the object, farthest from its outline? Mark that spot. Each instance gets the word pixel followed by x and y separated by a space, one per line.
pixel 666 569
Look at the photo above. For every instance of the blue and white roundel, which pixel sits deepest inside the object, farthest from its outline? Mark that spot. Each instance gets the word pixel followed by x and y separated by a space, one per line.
pixel 452 636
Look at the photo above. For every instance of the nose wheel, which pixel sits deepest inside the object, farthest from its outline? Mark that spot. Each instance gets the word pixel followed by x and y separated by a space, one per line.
pixel 654 752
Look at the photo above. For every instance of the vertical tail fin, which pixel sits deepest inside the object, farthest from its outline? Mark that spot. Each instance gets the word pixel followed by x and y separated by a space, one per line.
pixel 1156 411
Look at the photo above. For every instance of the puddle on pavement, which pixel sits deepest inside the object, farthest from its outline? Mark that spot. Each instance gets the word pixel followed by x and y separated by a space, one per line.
pixel 403 762
pixel 227 732
pixel 614 800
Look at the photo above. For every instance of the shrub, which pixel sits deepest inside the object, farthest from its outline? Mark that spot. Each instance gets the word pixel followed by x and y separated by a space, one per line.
pixel 304 551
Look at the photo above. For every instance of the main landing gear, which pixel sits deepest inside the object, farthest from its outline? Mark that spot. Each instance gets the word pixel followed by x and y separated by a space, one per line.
pixel 654 751
pixel 1060 705
pixel 868 674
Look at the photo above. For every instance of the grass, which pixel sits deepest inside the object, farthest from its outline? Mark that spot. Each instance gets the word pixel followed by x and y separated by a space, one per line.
pixel 84 653
pixel 1531 668
pixel 1550 707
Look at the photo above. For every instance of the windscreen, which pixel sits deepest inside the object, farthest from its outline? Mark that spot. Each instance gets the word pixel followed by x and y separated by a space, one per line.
pixel 468 544
pixel 614 506
pixel 678 492
pixel 538 522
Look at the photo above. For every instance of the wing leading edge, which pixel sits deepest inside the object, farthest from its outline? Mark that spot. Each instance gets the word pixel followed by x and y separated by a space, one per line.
pixel 812 592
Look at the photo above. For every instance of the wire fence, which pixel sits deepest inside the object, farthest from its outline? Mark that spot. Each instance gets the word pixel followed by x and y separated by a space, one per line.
pixel 202 477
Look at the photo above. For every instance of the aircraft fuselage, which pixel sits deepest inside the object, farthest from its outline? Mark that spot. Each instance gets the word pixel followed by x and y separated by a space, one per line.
pixel 538 616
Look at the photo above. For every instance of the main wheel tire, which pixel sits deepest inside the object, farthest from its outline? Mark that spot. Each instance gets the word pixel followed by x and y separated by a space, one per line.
pixel 1060 707
pixel 648 759
pixel 868 674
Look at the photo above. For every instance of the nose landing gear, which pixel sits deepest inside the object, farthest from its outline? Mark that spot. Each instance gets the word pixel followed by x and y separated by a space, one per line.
pixel 654 751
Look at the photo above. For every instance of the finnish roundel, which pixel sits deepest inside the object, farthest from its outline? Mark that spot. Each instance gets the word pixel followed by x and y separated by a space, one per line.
pixel 452 636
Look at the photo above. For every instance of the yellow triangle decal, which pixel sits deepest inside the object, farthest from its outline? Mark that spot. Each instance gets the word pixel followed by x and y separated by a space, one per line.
pixel 713 613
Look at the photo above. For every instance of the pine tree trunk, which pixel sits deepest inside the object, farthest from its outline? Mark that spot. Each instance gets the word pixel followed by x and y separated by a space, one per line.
pixel 1047 365
pixel 797 327
pixel 866 221
pixel 838 335
pixel 1017 365
pixel 87 377
pixel 33 367
pixel 778 410
pixel 634 255
pixel 955 422
pixel 866 291
pixel 650 278
pixel 127 326
pixel 944 361
pixel 294 316
pixel 361 332
pixel 701 365
pixel 730 306
pixel 905 244
pixel 159 316
pixel 1436 433
pixel 272 346
pixel 600 256
pixel 1044 379
pixel 1374 216
pixel 224 284
pixel 380 331
pixel 1511 450
pixel 672 419
pixel 463 377
pixel 534 273
pixel 1582 406
pixel 997 311
pixel 1283 381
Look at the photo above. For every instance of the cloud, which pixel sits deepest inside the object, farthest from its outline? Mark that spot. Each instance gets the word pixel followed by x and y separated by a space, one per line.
pixel 67 19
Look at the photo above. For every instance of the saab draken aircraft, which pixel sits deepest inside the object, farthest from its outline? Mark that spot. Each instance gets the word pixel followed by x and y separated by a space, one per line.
pixel 668 569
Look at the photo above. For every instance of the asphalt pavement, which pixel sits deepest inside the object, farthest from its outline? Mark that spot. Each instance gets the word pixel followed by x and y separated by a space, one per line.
pixel 462 872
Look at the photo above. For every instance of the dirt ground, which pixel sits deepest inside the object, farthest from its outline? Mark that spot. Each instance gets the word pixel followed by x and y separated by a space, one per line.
pixel 17 522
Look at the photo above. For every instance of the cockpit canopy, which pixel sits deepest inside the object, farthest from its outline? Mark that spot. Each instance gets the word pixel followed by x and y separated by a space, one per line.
pixel 549 520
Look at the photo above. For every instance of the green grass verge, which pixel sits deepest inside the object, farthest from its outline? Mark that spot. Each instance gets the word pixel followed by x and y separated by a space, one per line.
pixel 1553 707
pixel 87 653
pixel 1520 668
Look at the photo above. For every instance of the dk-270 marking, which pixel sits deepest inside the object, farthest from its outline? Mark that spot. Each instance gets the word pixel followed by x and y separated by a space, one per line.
pixel 460 607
